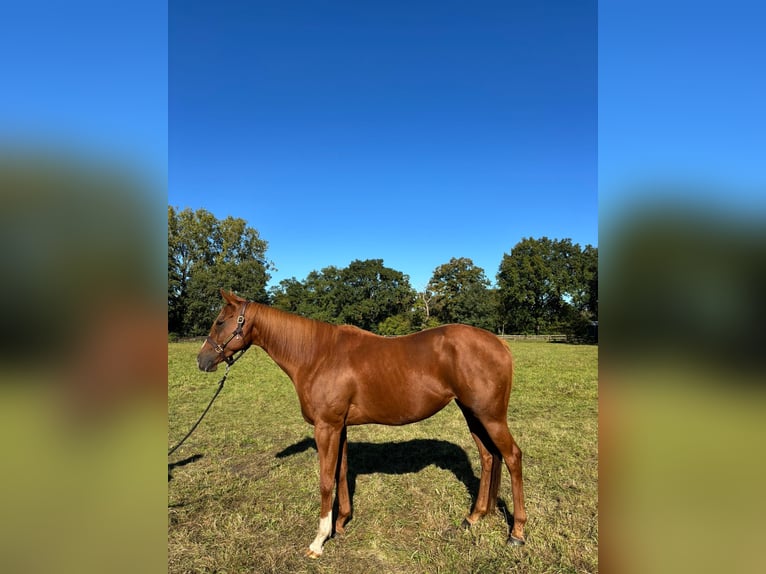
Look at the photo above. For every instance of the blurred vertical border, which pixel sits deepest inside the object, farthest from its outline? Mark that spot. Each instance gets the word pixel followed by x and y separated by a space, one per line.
pixel 83 360
pixel 682 237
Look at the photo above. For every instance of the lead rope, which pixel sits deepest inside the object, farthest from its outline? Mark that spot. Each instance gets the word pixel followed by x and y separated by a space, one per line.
pixel 210 404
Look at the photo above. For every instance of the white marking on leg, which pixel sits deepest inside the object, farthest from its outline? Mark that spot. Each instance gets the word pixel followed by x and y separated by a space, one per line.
pixel 324 531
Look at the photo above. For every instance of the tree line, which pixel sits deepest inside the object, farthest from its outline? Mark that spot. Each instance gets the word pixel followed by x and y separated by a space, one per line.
pixel 542 285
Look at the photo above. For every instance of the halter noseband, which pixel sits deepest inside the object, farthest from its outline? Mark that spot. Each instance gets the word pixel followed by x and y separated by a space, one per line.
pixel 237 333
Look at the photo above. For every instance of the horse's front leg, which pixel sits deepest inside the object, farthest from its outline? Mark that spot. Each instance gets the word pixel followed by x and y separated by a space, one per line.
pixel 327 437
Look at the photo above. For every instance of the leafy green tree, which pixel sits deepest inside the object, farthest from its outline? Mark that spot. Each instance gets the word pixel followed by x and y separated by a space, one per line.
pixel 369 293
pixel 587 300
pixel 287 295
pixel 321 299
pixel 365 294
pixel 396 325
pixel 420 316
pixel 176 275
pixel 528 280
pixel 205 254
pixel 548 285
pixel 494 298
pixel 460 294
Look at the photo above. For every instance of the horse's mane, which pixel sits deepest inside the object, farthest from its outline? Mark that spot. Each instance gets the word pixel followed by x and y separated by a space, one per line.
pixel 291 336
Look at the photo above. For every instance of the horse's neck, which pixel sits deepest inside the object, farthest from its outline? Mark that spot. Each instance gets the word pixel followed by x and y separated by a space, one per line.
pixel 290 340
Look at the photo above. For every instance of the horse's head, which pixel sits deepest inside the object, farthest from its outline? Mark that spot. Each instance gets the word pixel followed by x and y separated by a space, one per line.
pixel 227 335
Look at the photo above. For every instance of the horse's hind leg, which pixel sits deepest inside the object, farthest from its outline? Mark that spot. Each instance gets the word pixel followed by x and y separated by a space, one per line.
pixel 344 499
pixel 486 498
pixel 501 436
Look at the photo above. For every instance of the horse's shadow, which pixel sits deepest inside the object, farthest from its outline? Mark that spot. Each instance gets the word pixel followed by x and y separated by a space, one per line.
pixel 403 458
pixel 184 462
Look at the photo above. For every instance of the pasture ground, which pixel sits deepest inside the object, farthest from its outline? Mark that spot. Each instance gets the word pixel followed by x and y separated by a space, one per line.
pixel 245 497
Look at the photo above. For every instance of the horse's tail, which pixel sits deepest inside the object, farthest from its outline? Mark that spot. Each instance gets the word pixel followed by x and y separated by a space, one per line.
pixel 494 482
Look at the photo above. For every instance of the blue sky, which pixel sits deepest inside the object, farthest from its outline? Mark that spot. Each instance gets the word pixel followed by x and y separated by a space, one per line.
pixel 408 131
pixel 412 132
pixel 681 102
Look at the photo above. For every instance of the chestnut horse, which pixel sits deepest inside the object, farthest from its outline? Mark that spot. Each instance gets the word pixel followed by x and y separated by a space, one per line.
pixel 346 376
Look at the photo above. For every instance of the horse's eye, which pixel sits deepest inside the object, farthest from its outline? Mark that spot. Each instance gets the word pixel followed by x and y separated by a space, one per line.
pixel 219 322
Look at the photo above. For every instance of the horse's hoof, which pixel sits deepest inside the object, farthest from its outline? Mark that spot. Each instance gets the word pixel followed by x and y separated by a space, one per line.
pixel 340 529
pixel 465 525
pixel 513 541
pixel 311 554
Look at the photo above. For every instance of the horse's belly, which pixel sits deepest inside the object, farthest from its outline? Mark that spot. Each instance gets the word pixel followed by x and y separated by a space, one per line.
pixel 397 406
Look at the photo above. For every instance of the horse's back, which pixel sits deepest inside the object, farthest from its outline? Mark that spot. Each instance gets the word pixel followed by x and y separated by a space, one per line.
pixel 448 352
pixel 414 376
pixel 463 344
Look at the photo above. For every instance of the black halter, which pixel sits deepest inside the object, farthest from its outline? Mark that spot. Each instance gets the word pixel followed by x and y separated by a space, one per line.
pixel 237 333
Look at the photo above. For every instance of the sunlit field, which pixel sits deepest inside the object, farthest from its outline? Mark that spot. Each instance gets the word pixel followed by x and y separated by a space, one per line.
pixel 243 491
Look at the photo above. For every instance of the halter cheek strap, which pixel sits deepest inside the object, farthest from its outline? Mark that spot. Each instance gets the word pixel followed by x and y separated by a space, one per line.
pixel 220 348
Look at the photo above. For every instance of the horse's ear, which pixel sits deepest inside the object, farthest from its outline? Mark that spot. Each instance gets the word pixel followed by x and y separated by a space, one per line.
pixel 231 297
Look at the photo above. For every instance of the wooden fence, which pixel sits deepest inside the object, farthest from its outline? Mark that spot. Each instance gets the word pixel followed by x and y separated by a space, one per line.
pixel 548 338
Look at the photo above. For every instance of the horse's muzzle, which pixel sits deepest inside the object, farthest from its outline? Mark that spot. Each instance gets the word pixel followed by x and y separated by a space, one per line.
pixel 207 363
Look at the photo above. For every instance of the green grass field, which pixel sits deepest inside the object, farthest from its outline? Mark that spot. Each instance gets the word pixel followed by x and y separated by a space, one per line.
pixel 246 496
